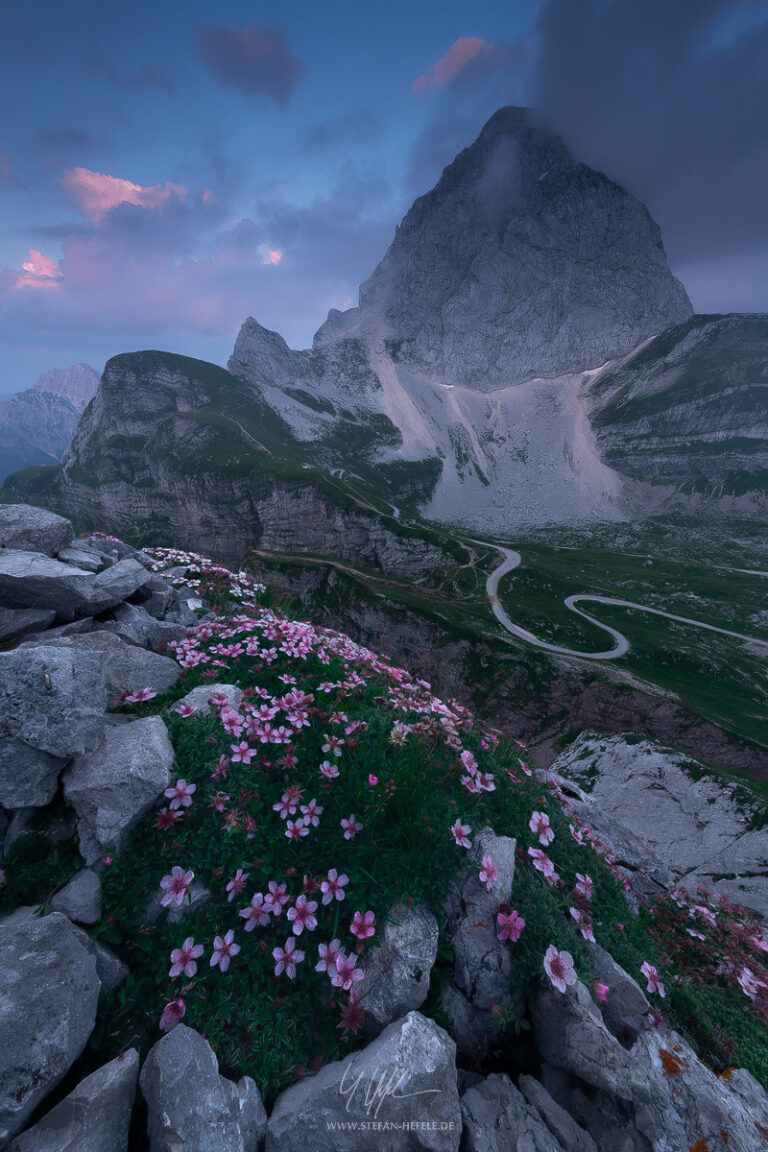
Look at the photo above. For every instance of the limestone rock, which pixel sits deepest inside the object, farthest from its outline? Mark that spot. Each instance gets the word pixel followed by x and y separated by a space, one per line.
pixel 200 698
pixel 19 621
pixel 409 1076
pixel 124 667
pixel 191 1107
pixel 563 1127
pixel 80 899
pixel 109 968
pixel 31 579
pixel 134 624
pixel 625 1006
pixel 48 995
pixel 719 841
pixel 31 529
pixel 95 1117
pixel 396 977
pixel 28 776
pixel 112 787
pixel 498 1119
pixel 81 557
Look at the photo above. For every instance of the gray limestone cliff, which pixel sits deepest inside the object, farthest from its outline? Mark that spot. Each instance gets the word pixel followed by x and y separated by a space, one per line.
pixel 37 426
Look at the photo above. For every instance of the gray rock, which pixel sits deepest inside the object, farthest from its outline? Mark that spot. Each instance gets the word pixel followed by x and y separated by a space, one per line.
pixel 112 787
pixel 95 1117
pixel 52 699
pixel 498 1119
pixel 30 579
pixel 405 1076
pixel 28 777
pixel 473 1028
pixel 647 789
pixel 20 915
pixel 80 899
pixel 20 621
pixel 563 1127
pixel 200 698
pixel 191 1107
pixel 109 968
pixel 396 977
pixel 81 557
pixel 73 628
pixel 625 1005
pixel 31 529
pixel 48 996
pixel 570 1034
pixel 125 667
pixel 137 626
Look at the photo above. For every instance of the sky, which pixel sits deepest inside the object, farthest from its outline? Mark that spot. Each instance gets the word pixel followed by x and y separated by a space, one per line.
pixel 167 169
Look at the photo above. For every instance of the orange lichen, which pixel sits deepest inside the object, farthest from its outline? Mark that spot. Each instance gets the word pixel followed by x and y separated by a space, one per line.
pixel 763 1131
pixel 699 1146
pixel 726 1075
pixel 671 1065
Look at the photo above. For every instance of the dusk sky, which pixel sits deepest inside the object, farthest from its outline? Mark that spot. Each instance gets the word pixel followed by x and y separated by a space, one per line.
pixel 167 169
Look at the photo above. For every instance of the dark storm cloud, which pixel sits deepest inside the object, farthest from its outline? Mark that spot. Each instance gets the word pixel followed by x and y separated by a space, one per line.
pixel 254 59
pixel 669 100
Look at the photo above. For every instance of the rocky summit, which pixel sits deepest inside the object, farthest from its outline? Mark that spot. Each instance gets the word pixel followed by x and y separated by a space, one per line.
pixel 37 426
pixel 265 891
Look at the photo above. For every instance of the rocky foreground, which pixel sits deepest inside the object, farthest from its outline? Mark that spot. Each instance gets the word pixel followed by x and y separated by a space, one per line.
pixel 434 986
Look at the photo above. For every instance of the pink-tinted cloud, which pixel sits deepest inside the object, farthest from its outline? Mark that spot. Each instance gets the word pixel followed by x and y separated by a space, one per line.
pixel 38 272
pixel 95 193
pixel 275 256
pixel 461 53
pixel 254 59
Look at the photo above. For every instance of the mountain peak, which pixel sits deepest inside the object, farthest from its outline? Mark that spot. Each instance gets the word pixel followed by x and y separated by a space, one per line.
pixel 521 262
pixel 77 383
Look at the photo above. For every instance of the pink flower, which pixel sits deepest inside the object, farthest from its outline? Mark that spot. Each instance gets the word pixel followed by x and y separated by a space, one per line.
pixel 276 898
pixel 172 1014
pixel 176 886
pixel 600 991
pixel 333 886
pixel 749 983
pixel 485 782
pixel 372 780
pixel 559 967
pixel 295 829
pixel 220 801
pixel 224 949
pixel 256 914
pixel 302 915
pixel 469 762
pixel 362 925
pixel 140 696
pixel 180 794
pixel 184 959
pixel 539 825
pixel 330 771
pixel 351 827
pixel 489 872
pixel 543 864
pixel 329 954
pixel 346 973
pixel 511 926
pixel 242 753
pixel 287 958
pixel 236 884
pixel 653 978
pixel 332 744
pixel 461 833
pixel 312 812
pixel 585 885
pixel 185 710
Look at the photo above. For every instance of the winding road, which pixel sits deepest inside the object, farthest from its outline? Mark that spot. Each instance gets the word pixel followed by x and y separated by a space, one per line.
pixel 621 645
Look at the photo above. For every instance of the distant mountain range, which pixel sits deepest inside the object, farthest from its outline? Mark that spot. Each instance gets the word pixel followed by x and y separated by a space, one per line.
pixel 522 355
pixel 37 426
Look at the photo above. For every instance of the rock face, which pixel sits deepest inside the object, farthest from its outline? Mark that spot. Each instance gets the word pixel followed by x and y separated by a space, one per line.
pixel 396 977
pixel 191 1107
pixel 522 263
pixel 719 836
pixel 498 1119
pixel 30 529
pixel 37 426
pixel 420 1110
pixel 94 1118
pixel 48 995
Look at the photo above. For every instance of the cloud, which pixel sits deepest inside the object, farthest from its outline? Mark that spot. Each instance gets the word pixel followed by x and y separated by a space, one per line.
pixel 465 50
pixel 356 131
pixel 670 100
pixel 95 193
pixel 38 272
pixel 145 77
pixel 7 177
pixel 256 60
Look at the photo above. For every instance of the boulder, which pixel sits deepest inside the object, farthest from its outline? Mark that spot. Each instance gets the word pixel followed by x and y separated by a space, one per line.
pixel 81 557
pixel 396 979
pixel 30 579
pixel 137 626
pixel 16 622
pixel 80 899
pixel 191 1108
pixel 625 1006
pixel 497 1119
pixel 402 1086
pixel 571 1136
pixel 112 787
pixel 109 968
pixel 31 529
pixel 124 666
pixel 48 996
pixel 28 777
pixel 52 698
pixel 96 1117
pixel 200 698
